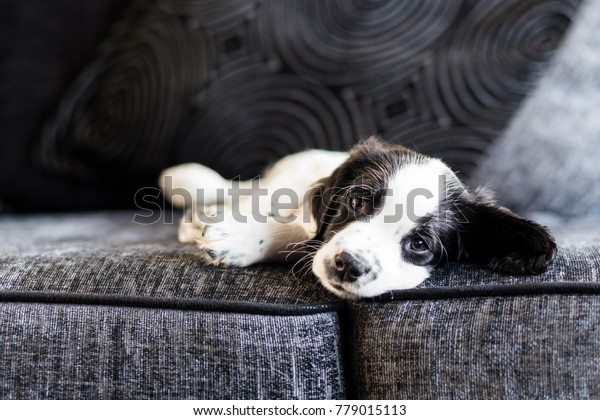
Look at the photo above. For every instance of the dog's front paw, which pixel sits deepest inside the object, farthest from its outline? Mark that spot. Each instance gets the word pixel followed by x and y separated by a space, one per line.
pixel 222 245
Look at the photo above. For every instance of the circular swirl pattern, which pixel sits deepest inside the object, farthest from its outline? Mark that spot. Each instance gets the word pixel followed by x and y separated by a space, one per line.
pixel 237 84
pixel 254 115
pixel 342 42
pixel 491 65
pixel 130 102
pixel 212 12
pixel 467 144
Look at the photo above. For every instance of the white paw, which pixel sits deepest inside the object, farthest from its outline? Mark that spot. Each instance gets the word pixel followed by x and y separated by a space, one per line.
pixel 188 232
pixel 224 243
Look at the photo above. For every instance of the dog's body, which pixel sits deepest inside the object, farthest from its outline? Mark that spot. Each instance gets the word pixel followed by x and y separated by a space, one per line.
pixel 378 218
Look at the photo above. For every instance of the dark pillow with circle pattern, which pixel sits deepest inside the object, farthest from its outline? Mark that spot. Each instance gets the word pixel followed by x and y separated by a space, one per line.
pixel 236 84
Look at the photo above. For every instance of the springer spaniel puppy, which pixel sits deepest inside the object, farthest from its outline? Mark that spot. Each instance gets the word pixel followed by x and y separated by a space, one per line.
pixel 378 218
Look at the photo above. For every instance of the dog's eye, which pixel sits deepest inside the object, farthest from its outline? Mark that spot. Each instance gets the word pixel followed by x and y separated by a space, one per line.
pixel 361 205
pixel 357 204
pixel 418 245
pixel 418 250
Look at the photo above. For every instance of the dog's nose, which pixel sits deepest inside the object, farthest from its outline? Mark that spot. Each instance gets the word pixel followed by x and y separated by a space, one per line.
pixel 348 267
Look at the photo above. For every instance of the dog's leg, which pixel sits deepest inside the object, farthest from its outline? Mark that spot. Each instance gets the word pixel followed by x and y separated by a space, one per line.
pixel 192 186
pixel 234 242
pixel 191 183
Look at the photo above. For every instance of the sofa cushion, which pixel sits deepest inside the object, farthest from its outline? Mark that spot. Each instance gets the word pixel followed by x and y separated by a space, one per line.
pixel 237 85
pixel 97 306
pixel 90 351
pixel 108 253
pixel 529 346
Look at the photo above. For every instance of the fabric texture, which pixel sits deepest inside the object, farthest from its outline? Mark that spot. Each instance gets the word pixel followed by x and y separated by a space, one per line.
pixel 522 347
pixel 547 160
pixel 235 85
pixel 100 352
pixel 108 253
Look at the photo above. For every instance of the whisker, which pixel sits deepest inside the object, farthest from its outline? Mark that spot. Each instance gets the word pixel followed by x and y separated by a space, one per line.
pixel 290 253
pixel 305 266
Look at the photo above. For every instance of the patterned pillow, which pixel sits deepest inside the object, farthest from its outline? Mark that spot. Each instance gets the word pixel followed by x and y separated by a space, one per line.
pixel 236 84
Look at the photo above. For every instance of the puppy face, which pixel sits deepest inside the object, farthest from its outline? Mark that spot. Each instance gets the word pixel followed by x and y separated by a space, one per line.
pixel 388 216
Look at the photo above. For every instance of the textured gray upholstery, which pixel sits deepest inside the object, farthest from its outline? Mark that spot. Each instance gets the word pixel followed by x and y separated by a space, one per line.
pixel 76 351
pixel 107 253
pixel 472 334
pixel 516 347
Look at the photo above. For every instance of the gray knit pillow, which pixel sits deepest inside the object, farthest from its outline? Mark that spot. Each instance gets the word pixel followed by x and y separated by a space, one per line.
pixel 549 157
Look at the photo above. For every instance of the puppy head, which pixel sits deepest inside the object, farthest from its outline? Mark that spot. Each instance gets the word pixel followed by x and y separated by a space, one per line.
pixel 388 216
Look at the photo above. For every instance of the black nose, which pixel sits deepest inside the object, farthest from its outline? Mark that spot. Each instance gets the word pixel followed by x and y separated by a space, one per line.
pixel 348 267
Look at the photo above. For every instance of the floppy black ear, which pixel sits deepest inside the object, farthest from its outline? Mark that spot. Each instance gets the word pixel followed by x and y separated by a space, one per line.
pixel 502 241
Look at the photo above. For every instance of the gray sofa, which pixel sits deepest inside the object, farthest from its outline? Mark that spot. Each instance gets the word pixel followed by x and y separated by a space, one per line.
pixel 94 305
